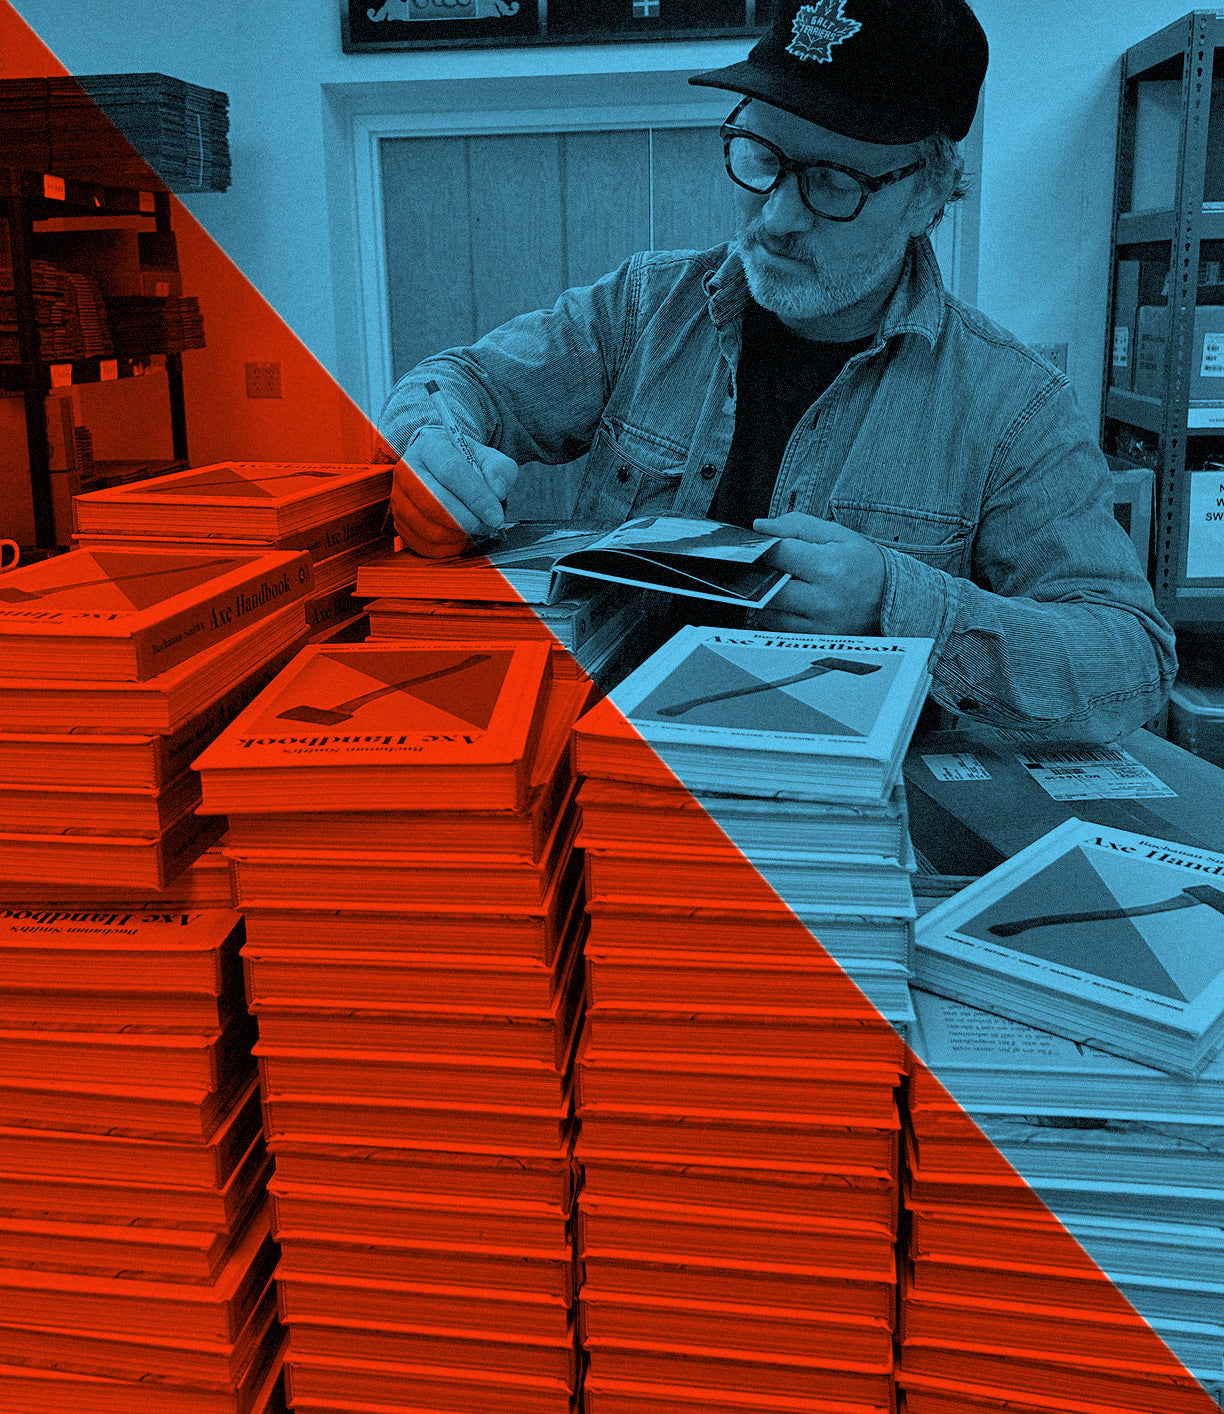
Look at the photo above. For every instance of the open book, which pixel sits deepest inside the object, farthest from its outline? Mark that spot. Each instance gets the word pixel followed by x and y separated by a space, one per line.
pixel 542 560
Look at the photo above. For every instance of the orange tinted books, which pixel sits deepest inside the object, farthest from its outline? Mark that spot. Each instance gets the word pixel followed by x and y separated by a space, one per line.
pixel 373 1302
pixel 190 1163
pixel 119 949
pixel 404 726
pixel 238 500
pixel 215 1310
pixel 402 1387
pixel 498 832
pixel 126 615
pixel 162 704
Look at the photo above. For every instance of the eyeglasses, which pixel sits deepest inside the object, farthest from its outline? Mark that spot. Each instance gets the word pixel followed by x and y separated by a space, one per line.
pixel 827 189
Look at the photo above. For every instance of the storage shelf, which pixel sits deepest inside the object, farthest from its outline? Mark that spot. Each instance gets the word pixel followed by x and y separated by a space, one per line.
pixel 84 370
pixel 1149 227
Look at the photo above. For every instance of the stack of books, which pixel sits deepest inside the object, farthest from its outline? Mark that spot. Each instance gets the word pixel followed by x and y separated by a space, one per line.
pixel 179 128
pixel 69 311
pixel 505 588
pixel 737 1091
pixel 133 130
pixel 136 1256
pixel 115 665
pixel 1084 1006
pixel 144 324
pixel 401 829
pixel 336 513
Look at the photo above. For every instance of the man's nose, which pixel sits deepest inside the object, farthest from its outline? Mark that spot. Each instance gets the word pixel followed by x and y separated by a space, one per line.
pixel 784 211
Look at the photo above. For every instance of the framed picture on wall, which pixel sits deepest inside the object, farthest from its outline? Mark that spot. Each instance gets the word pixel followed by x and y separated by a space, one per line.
pixel 369 25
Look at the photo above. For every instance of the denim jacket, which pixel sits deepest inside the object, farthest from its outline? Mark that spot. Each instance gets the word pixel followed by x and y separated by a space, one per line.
pixel 955 448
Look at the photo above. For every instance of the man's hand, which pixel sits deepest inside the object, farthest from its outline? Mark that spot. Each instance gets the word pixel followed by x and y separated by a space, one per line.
pixel 837 580
pixel 438 499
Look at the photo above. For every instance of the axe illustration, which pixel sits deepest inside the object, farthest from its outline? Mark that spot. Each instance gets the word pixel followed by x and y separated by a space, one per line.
pixel 1188 898
pixel 814 670
pixel 23 596
pixel 332 716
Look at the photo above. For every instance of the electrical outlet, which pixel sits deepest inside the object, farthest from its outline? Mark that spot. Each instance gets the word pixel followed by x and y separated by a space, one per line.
pixel 1056 353
pixel 263 380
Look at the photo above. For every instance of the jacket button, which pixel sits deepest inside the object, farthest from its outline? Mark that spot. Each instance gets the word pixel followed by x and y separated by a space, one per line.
pixel 709 472
pixel 622 474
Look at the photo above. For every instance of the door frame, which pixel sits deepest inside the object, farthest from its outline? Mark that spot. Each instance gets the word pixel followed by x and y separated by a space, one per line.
pixel 956 239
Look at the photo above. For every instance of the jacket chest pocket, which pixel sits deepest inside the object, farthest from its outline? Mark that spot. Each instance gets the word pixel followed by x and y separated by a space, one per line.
pixel 934 537
pixel 629 475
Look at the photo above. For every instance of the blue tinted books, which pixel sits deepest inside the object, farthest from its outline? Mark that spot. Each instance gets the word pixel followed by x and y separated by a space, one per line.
pixel 240 501
pixel 1108 938
pixel 991 1061
pixel 125 615
pixel 780 714
pixel 385 727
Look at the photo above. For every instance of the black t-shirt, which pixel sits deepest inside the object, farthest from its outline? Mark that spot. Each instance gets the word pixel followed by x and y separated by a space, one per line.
pixel 780 376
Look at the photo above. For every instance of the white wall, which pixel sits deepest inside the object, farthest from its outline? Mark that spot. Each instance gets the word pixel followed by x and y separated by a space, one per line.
pixel 1046 184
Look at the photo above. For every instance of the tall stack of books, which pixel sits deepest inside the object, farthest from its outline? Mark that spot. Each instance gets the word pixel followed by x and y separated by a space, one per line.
pixel 70 313
pixel 179 128
pixel 113 665
pixel 135 1250
pixel 336 513
pixel 105 128
pixel 401 826
pixel 144 324
pixel 1103 948
pixel 737 1092
pixel 501 589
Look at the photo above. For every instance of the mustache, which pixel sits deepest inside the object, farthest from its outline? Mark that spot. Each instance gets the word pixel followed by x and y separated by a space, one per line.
pixel 792 245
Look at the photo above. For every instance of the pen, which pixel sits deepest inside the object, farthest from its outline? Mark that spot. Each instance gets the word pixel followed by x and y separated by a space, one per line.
pixel 453 430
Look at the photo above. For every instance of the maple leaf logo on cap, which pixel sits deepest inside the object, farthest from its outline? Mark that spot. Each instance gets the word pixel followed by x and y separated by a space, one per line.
pixel 817 28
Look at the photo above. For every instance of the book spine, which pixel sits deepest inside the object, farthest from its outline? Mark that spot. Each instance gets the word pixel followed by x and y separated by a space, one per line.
pixel 219 615
pixel 353 528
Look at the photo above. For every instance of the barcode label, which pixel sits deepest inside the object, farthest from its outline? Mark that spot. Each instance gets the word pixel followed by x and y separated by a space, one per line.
pixel 1092 773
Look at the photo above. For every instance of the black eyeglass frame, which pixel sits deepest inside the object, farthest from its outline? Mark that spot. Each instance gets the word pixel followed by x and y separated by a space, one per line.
pixel 868 185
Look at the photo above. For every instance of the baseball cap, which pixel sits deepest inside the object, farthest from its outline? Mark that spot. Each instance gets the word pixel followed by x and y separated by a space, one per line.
pixel 886 71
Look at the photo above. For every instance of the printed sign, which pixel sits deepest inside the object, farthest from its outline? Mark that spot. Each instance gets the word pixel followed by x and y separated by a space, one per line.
pixel 1212 365
pixel 1205 542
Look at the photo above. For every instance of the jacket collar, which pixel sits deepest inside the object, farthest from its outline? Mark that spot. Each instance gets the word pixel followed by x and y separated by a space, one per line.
pixel 916 307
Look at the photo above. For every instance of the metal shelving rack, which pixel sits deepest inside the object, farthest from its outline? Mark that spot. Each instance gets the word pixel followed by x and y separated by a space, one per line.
pixel 28 197
pixel 1184 51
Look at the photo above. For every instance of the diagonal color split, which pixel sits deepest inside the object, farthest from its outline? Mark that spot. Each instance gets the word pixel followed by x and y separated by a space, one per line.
pixel 1111 1358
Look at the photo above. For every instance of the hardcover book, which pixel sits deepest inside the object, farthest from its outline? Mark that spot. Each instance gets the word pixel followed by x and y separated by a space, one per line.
pixel 1109 938
pixel 780 714
pixel 126 615
pixel 162 704
pixel 541 560
pixel 387 727
pixel 239 501
pixel 988 1060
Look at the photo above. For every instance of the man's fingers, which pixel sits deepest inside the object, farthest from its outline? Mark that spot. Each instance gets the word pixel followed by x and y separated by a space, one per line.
pixel 795 525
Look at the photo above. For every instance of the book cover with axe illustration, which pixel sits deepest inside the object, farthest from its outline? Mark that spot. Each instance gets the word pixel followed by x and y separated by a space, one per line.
pixel 127 615
pixel 1111 939
pixel 783 714
pixel 384 727
pixel 245 500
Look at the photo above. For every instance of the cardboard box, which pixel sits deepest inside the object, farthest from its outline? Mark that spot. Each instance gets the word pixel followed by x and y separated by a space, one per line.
pixel 1207 364
pixel 1132 497
pixel 1152 350
pixel 1126 306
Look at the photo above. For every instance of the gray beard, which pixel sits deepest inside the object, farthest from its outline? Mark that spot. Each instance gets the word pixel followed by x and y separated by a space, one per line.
pixel 810 291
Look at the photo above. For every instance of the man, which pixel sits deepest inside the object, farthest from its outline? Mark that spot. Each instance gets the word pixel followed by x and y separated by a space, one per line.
pixel 928 475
